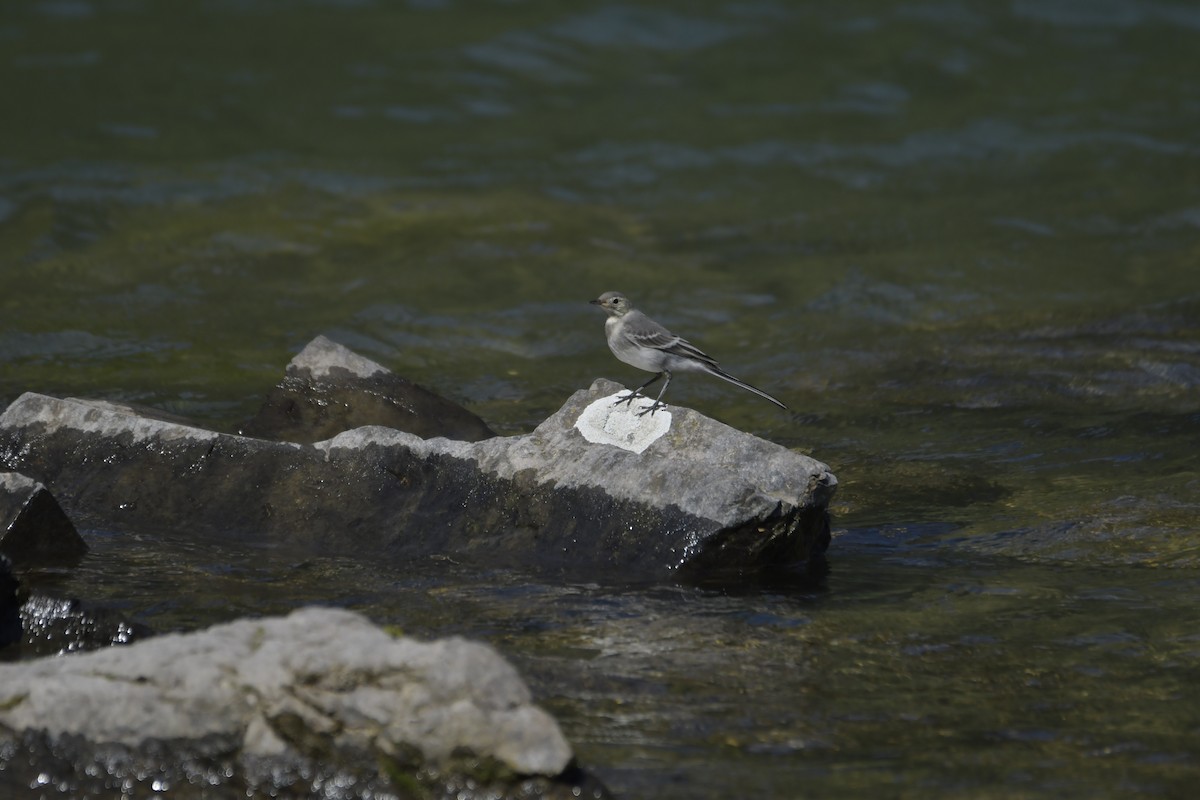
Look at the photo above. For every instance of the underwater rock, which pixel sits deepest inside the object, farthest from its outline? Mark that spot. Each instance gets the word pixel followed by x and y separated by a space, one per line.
pixel 595 490
pixel 34 531
pixel 321 695
pixel 328 389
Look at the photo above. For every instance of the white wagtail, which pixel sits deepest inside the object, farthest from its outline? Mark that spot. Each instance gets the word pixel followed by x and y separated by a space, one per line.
pixel 641 342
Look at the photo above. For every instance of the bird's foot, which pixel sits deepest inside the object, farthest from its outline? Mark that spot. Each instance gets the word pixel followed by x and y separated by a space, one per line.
pixel 655 406
pixel 627 399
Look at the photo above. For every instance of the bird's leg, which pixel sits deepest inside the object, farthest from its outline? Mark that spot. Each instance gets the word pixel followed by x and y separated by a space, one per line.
pixel 658 403
pixel 629 397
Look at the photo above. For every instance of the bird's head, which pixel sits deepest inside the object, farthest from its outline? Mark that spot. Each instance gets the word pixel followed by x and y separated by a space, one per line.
pixel 615 303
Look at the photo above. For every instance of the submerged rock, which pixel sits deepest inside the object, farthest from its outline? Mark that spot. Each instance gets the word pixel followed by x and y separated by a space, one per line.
pixel 318 698
pixel 328 389
pixel 34 531
pixel 672 491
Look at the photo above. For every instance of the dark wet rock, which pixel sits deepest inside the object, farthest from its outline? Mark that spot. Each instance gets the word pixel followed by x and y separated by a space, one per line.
pixel 34 531
pixel 593 490
pixel 57 625
pixel 316 702
pixel 34 624
pixel 328 389
pixel 10 605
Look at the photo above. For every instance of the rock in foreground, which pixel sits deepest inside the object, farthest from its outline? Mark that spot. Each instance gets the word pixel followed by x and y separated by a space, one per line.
pixel 321 697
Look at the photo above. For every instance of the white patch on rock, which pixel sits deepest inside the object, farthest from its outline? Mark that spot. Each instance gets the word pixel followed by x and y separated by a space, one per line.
pixel 602 422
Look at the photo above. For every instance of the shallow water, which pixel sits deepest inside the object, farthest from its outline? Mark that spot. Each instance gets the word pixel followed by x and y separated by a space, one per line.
pixel 959 240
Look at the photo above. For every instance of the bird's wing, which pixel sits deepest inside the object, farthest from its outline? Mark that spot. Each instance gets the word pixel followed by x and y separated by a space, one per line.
pixel 648 333
pixel 682 347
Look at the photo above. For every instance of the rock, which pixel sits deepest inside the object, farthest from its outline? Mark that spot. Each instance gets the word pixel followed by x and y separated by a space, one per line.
pixel 316 691
pixel 10 605
pixel 35 624
pixel 688 494
pixel 328 389
pixel 57 625
pixel 34 531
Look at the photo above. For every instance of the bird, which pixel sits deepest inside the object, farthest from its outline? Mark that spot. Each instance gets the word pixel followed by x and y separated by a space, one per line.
pixel 641 342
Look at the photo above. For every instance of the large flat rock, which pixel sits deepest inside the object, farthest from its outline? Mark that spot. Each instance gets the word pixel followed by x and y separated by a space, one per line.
pixel 318 690
pixel 593 490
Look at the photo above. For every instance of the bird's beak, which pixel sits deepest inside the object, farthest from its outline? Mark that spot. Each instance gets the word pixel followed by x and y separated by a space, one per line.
pixel 594 302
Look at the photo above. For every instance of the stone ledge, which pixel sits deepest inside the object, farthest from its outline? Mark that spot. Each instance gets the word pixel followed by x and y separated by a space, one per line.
pixel 319 689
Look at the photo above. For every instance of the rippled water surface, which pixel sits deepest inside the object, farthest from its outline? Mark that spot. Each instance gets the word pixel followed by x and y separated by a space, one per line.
pixel 961 240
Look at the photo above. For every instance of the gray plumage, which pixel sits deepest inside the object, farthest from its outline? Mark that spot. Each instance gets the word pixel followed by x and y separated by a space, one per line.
pixel 641 342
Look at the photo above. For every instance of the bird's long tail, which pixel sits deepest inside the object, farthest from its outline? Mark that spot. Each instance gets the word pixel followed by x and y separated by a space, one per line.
pixel 726 376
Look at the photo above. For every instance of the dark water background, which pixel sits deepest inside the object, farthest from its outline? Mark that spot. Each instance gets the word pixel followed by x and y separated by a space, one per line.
pixel 960 239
